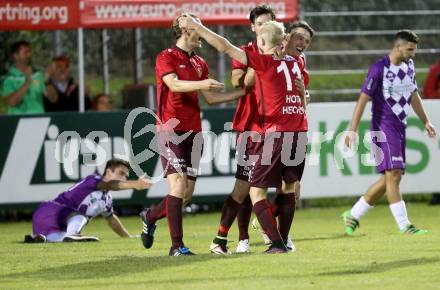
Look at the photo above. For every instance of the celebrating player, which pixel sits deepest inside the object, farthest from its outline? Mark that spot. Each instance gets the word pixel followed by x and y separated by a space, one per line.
pixel 391 85
pixel 239 199
pixel 62 219
pixel 284 204
pixel 281 111
pixel 180 74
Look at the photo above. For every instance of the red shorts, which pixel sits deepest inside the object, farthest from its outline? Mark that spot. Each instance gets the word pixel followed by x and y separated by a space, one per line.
pixel 281 156
pixel 181 152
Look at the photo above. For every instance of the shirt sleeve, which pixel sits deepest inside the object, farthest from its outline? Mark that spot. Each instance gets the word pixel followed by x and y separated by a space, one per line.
pixel 257 61
pixel 8 87
pixel 165 64
pixel 372 81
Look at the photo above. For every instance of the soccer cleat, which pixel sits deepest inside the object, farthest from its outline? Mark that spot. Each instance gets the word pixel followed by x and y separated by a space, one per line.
pixel 147 235
pixel 350 222
pixel 289 245
pixel 219 249
pixel 181 251
pixel 79 238
pixel 243 246
pixel 412 230
pixel 34 239
pixel 256 226
pixel 276 250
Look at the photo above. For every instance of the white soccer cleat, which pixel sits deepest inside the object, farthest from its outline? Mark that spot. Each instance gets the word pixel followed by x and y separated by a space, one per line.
pixel 290 246
pixel 219 249
pixel 256 226
pixel 80 238
pixel 243 246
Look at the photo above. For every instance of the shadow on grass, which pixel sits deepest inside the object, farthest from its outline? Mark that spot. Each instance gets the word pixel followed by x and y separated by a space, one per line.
pixel 319 238
pixel 382 267
pixel 116 266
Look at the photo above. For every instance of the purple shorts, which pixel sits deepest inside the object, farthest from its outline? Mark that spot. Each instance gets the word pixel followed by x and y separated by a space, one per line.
pixel 50 217
pixel 285 160
pixel 389 149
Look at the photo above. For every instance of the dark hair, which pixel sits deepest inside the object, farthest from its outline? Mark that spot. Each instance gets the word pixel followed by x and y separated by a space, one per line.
pixel 260 10
pixel 302 24
pixel 115 162
pixel 62 58
pixel 407 35
pixel 16 46
pixel 177 31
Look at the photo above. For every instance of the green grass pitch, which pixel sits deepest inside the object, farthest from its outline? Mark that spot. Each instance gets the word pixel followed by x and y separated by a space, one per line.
pixel 377 257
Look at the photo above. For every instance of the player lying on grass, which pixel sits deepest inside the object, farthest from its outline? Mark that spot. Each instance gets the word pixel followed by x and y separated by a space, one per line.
pixel 281 121
pixel 391 85
pixel 63 219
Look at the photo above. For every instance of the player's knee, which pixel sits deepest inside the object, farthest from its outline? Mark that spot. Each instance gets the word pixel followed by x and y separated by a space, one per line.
pixel 394 175
pixel 179 187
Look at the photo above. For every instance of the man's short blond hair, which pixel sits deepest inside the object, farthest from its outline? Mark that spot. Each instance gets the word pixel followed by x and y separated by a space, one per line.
pixel 272 32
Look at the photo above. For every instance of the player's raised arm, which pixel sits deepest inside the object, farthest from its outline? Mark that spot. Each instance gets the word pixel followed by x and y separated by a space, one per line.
pixel 218 42
pixel 416 103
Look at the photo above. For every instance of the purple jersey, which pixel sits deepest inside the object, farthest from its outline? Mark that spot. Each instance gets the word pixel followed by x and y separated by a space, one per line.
pixel 85 198
pixel 390 88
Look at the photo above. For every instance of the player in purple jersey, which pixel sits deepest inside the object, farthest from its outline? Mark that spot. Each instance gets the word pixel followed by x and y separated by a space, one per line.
pixel 62 219
pixel 391 85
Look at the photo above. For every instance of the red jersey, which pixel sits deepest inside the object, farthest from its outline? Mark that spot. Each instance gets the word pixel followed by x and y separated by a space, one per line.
pixel 182 106
pixel 247 105
pixel 279 104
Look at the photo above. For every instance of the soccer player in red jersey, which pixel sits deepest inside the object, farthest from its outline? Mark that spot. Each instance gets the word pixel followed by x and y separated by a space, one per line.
pixel 281 118
pixel 239 199
pixel 180 74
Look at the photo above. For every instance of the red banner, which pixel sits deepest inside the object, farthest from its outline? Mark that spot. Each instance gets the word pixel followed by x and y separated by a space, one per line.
pixel 38 15
pixel 68 14
pixel 113 13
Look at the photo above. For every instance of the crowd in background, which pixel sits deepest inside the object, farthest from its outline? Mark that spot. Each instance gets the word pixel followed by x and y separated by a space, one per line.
pixel 27 91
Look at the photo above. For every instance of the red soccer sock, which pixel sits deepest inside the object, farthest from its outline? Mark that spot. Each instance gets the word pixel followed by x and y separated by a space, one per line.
pixel 174 215
pixel 158 211
pixel 277 202
pixel 244 218
pixel 287 212
pixel 229 212
pixel 267 221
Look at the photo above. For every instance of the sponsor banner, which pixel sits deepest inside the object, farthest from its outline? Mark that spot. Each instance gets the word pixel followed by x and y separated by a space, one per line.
pixel 38 15
pixel 113 13
pixel 57 14
pixel 41 156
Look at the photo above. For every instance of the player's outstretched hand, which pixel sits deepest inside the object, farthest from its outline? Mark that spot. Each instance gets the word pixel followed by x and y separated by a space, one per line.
pixel 431 129
pixel 143 183
pixel 350 138
pixel 212 85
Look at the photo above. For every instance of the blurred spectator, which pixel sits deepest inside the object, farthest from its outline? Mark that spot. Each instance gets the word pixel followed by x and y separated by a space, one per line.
pixel 432 84
pixel 61 88
pixel 432 91
pixel 102 103
pixel 22 87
